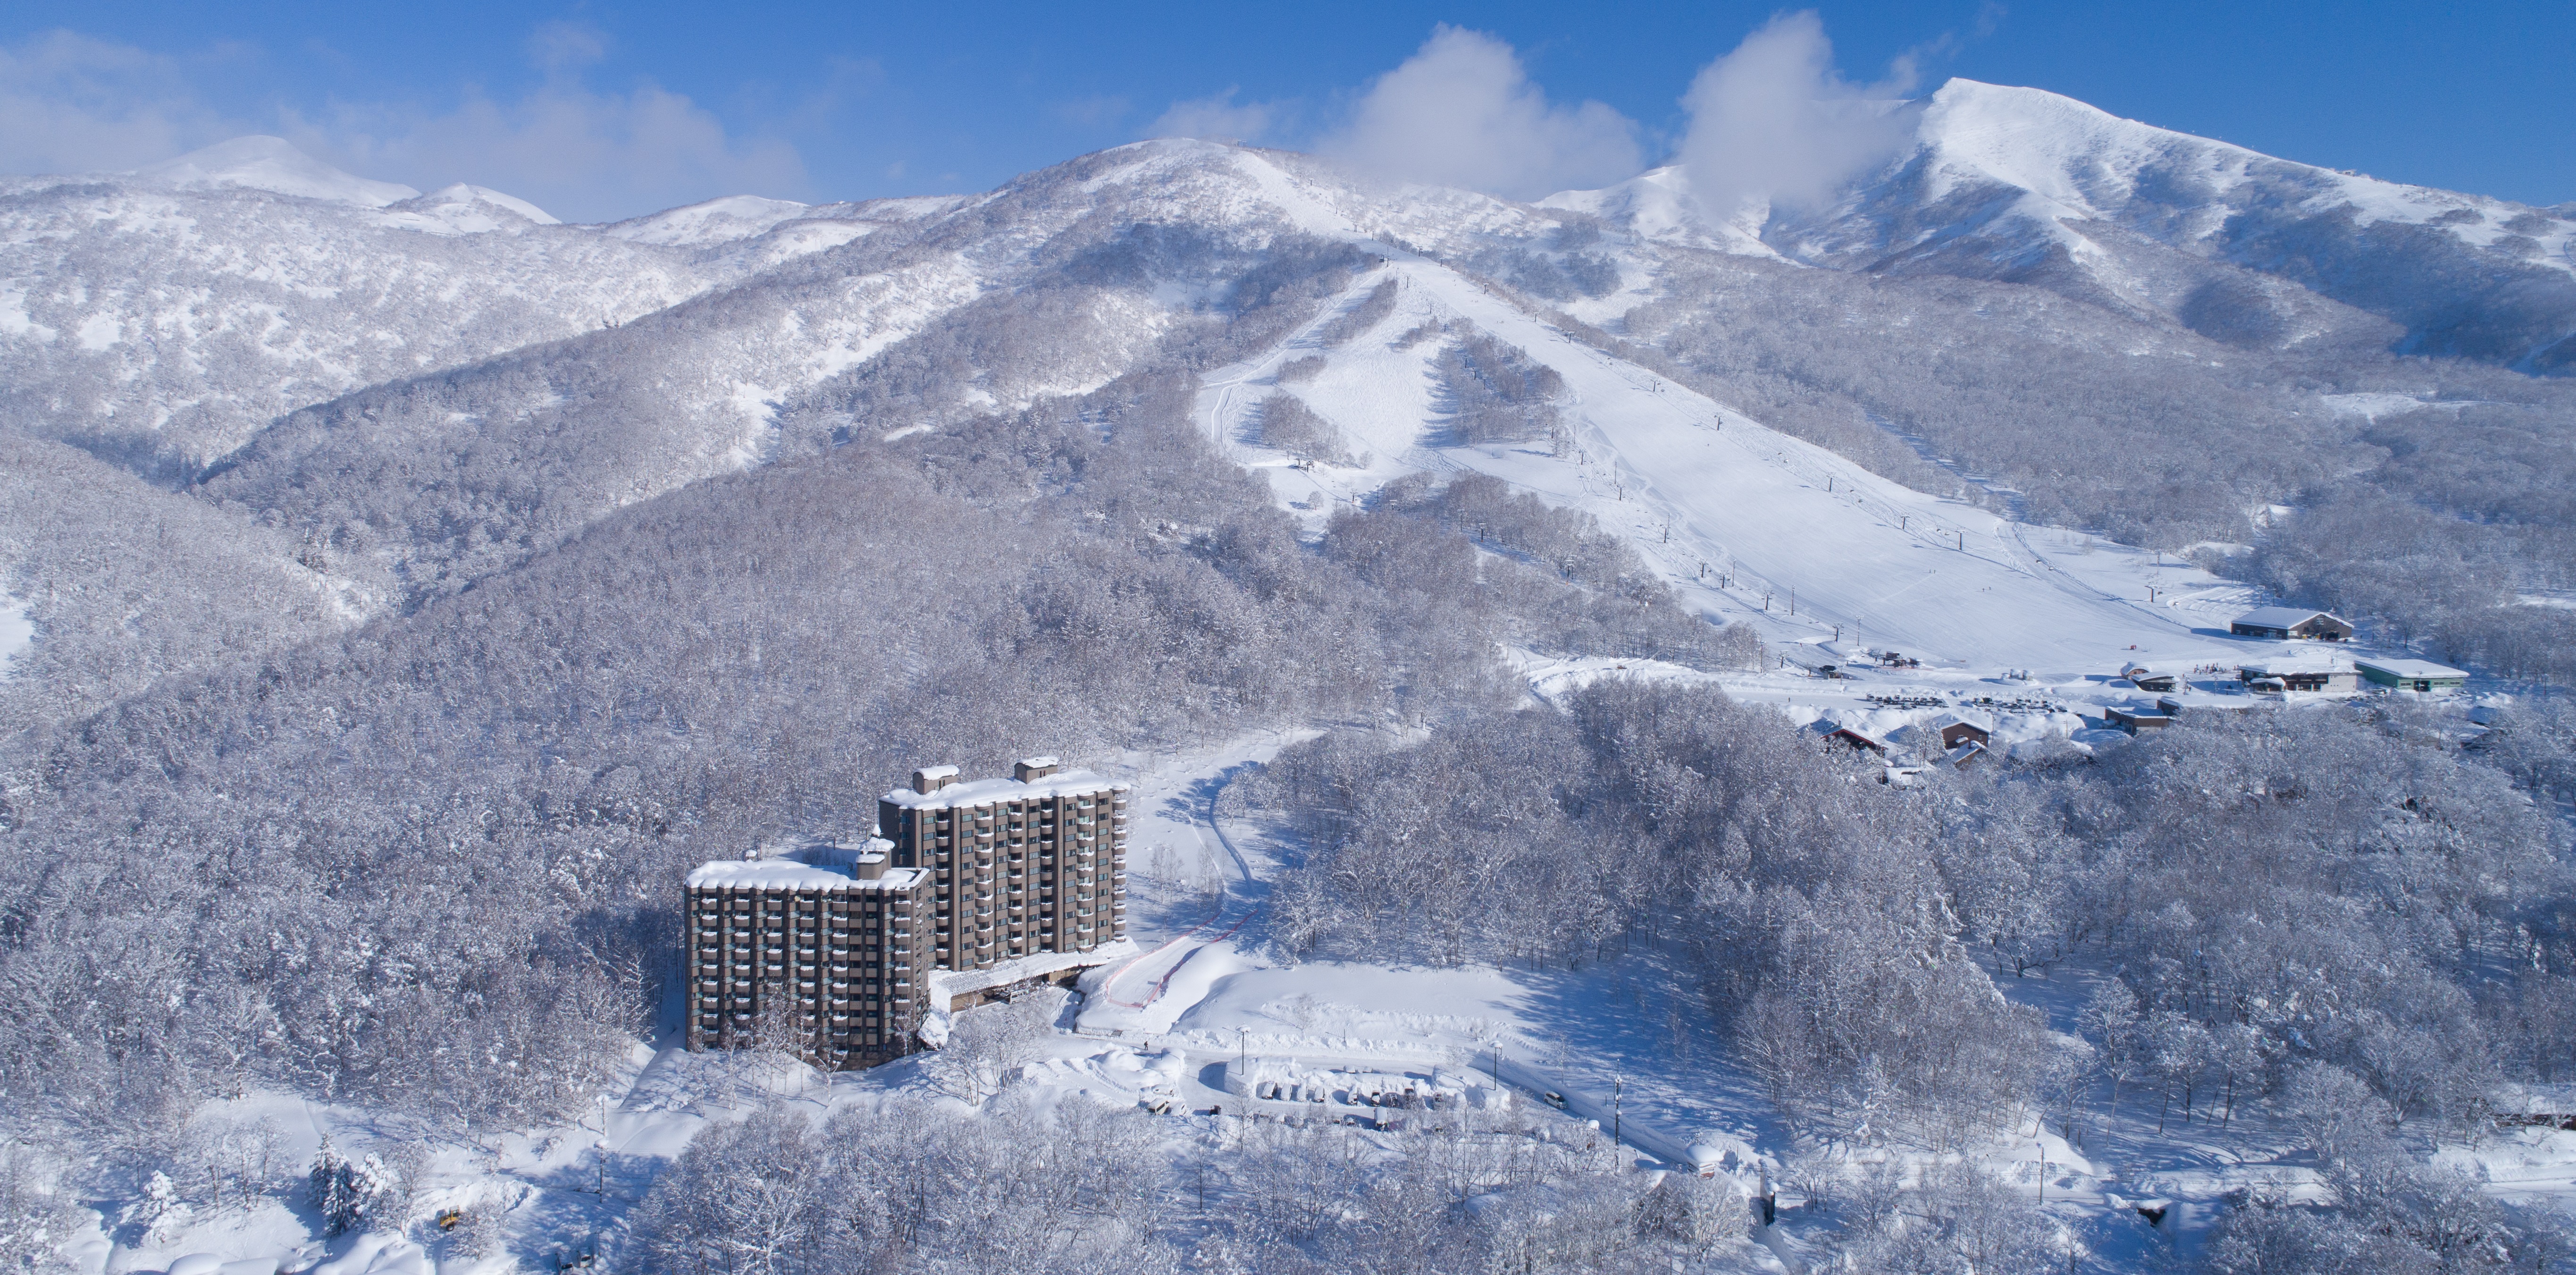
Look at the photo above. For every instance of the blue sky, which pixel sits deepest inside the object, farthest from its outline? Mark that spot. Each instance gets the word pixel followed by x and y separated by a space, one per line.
pixel 607 109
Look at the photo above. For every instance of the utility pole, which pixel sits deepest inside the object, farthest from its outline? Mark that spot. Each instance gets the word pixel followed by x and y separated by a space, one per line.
pixel 1617 1084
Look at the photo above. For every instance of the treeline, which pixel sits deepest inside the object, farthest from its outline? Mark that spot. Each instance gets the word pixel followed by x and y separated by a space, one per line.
pixel 2468 509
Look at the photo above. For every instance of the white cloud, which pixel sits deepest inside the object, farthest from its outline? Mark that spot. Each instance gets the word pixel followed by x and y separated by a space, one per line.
pixel 566 46
pixel 1462 112
pixel 1773 120
pixel 1218 119
pixel 581 155
pixel 71 104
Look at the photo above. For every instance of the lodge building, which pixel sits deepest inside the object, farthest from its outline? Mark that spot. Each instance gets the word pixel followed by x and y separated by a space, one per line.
pixel 835 953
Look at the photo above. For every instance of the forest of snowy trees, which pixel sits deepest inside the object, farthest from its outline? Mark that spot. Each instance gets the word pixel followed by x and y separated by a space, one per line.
pixel 2411 923
pixel 2343 914
pixel 904 1187
pixel 2340 919
pixel 514 774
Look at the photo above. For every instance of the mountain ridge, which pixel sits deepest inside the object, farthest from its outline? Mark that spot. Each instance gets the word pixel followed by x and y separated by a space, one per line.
pixel 424 393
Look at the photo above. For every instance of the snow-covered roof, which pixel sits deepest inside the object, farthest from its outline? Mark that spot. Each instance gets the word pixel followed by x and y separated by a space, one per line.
pixel 2411 668
pixel 821 867
pixel 1944 721
pixel 948 983
pixel 2302 662
pixel 1069 783
pixel 2284 617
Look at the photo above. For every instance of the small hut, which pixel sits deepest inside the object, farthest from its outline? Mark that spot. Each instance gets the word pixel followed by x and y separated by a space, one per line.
pixel 2147 679
pixel 1855 740
pixel 1958 728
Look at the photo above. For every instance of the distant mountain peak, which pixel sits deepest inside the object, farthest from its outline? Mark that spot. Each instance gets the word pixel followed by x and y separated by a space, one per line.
pixel 272 164
pixel 461 209
pixel 1658 206
pixel 720 220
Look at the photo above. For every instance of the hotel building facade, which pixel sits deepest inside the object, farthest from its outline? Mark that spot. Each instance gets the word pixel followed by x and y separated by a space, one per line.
pixel 836 952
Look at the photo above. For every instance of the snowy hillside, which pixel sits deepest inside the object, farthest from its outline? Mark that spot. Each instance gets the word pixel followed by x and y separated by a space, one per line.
pixel 931 311
pixel 1743 521
pixel 163 317
pixel 2015 183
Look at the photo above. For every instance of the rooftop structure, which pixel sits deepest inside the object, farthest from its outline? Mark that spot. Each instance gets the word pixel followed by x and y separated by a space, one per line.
pixel 2148 679
pixel 1956 729
pixel 1845 735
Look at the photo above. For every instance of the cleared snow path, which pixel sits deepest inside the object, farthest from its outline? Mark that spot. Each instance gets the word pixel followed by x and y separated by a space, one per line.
pixel 1130 997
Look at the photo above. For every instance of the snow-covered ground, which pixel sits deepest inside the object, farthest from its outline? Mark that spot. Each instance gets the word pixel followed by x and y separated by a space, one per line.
pixel 1745 522
pixel 17 631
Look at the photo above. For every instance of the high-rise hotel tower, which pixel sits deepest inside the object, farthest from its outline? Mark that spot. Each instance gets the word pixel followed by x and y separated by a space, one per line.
pixel 1033 864
pixel 835 952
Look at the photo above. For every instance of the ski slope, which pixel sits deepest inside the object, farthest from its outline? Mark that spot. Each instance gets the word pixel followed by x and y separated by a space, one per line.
pixel 1745 522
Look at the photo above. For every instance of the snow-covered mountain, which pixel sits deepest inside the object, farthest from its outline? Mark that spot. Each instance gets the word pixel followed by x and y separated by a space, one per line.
pixel 2023 185
pixel 163 317
pixel 271 164
pixel 422 389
